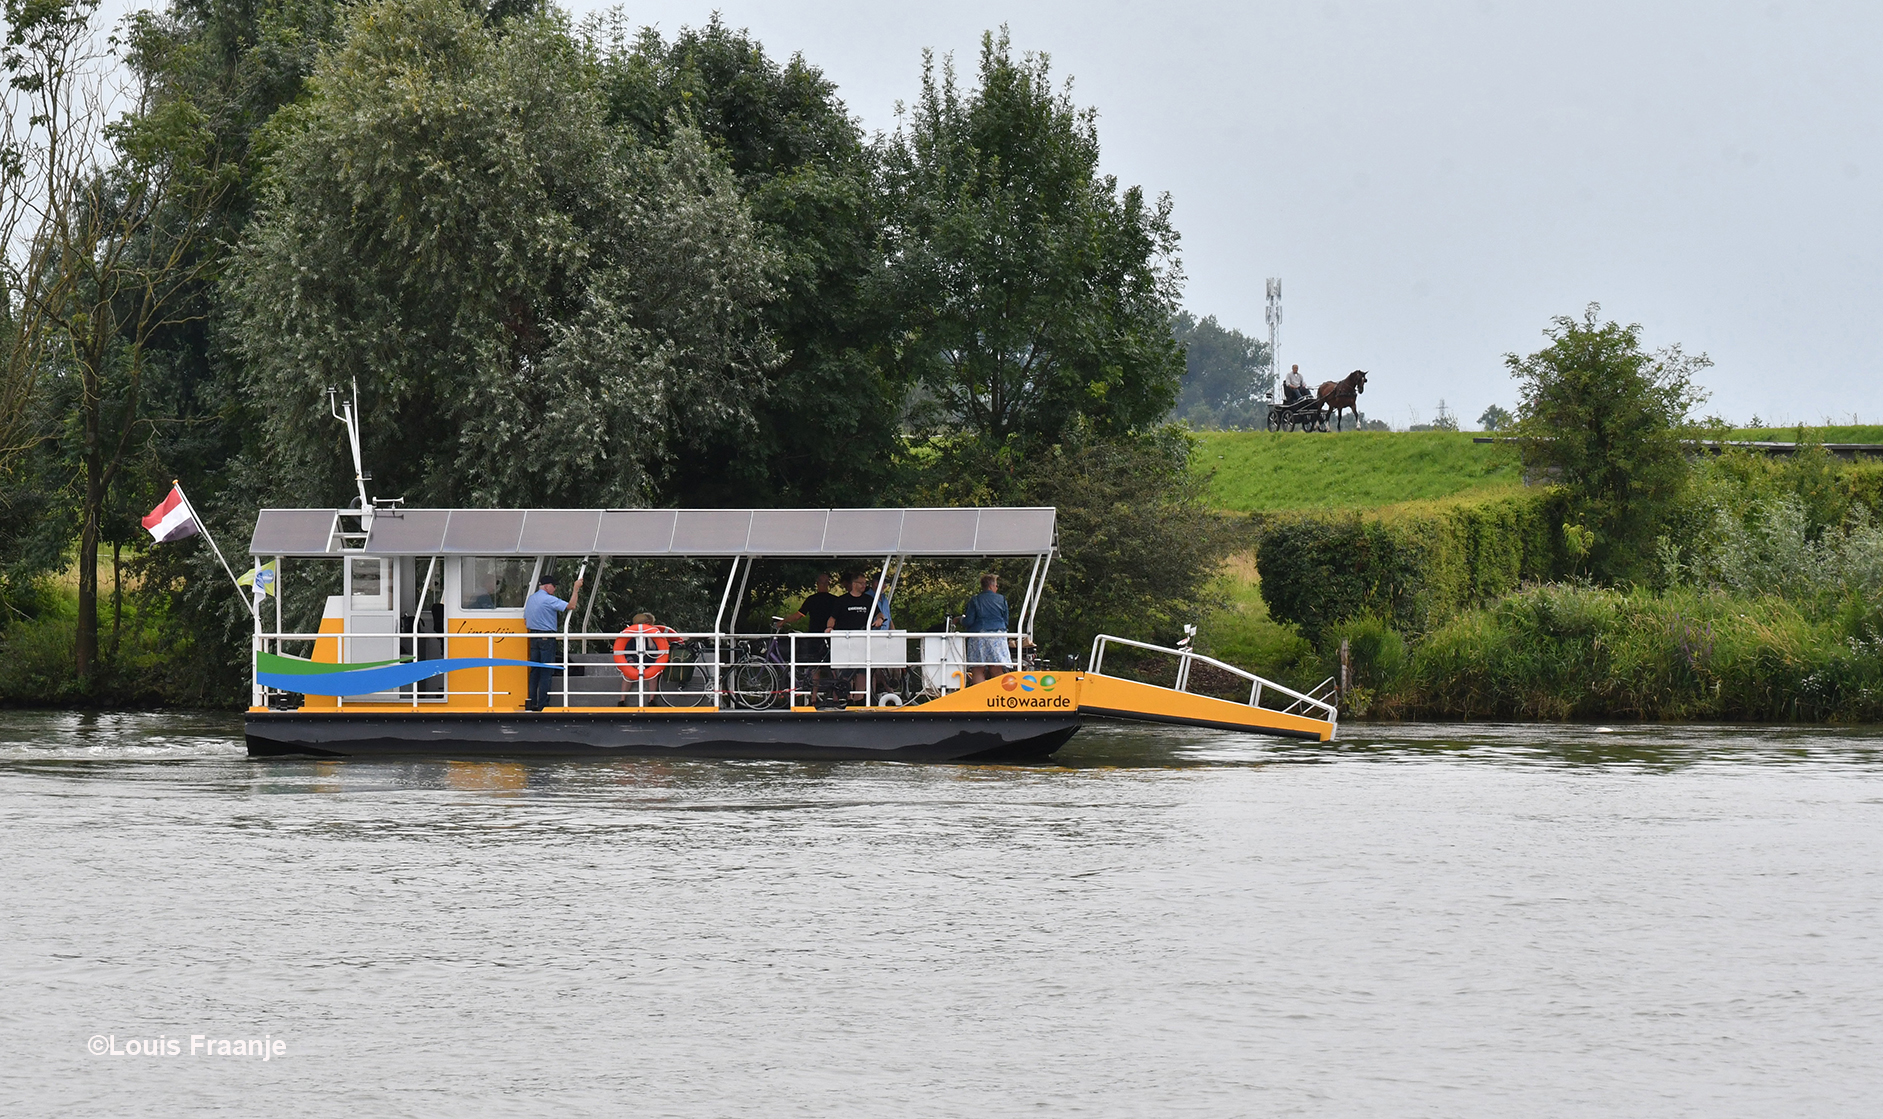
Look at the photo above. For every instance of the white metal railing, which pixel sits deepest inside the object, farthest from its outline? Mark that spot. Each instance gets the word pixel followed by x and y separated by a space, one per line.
pixel 752 671
pixel 1306 702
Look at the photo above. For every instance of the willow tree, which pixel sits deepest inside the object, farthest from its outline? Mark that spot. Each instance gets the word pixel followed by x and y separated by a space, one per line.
pixel 537 308
pixel 1032 290
pixel 51 133
pixel 113 235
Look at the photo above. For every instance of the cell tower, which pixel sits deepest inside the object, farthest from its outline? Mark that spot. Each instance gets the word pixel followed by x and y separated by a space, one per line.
pixel 1274 334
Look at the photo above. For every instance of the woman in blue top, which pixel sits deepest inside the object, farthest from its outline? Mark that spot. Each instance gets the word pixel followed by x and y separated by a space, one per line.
pixel 986 613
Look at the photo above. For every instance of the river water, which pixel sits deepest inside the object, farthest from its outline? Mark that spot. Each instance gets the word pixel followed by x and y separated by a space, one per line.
pixel 1412 921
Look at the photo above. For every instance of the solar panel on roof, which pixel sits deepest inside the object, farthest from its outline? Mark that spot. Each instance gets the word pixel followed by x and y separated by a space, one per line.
pixel 636 532
pixel 668 532
pixel 291 532
pixel 787 532
pixel 484 532
pixel 560 532
pixel 408 532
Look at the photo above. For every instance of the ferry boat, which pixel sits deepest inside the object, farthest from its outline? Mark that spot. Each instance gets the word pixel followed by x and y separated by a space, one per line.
pixel 424 650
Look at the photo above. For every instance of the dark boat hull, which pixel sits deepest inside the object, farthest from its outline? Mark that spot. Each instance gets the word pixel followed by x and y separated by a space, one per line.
pixel 820 735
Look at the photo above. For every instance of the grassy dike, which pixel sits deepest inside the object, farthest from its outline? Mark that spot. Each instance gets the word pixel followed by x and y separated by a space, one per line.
pixel 1372 473
pixel 1445 576
pixel 1263 472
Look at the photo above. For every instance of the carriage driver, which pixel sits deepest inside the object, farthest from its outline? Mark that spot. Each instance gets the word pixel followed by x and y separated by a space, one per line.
pixel 1293 388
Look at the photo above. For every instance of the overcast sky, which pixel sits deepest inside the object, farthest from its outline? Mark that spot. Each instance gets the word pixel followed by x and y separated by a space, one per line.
pixel 1433 181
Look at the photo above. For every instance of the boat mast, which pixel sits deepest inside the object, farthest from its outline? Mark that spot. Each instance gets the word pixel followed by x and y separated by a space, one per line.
pixel 348 412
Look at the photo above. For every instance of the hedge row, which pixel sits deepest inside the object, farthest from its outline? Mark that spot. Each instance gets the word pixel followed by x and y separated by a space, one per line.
pixel 1413 569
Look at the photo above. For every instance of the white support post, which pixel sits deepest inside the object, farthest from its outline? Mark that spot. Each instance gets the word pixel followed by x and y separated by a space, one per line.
pixel 256 696
pixel 731 578
pixel 1046 565
pixel 601 568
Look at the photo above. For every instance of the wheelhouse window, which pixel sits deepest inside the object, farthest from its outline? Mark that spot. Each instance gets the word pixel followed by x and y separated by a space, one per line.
pixel 494 582
pixel 369 586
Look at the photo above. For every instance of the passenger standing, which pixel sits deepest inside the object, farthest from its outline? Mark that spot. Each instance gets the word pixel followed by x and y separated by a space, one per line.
pixel 539 617
pixel 817 610
pixel 853 609
pixel 853 613
pixel 986 613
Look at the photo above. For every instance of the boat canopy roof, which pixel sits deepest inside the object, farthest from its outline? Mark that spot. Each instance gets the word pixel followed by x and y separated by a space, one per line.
pixel 311 533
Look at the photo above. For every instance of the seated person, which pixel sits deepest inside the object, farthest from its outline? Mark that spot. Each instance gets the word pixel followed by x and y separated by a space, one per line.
pixel 1293 387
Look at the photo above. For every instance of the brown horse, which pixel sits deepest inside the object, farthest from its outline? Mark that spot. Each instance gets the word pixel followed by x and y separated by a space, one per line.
pixel 1343 394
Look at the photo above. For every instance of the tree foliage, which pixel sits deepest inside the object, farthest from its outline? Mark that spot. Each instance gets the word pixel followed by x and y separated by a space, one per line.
pixel 1605 418
pixel 1227 377
pixel 827 423
pixel 113 215
pixel 1032 292
pixel 1494 418
pixel 537 311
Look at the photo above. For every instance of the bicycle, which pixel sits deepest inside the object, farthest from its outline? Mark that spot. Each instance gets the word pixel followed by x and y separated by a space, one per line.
pixel 757 680
pixel 687 680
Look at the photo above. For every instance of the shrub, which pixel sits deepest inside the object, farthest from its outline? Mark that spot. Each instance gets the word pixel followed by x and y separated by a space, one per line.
pixel 1606 419
pixel 1579 651
pixel 1411 570
pixel 1376 652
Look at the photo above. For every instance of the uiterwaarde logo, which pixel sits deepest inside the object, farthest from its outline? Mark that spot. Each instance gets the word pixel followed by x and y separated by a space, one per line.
pixel 1024 683
pixel 1028 683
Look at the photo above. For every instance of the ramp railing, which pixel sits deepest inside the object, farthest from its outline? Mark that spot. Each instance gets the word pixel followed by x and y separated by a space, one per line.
pixel 1308 704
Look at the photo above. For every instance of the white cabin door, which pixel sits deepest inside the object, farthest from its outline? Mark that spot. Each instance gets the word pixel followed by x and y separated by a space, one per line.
pixel 372 622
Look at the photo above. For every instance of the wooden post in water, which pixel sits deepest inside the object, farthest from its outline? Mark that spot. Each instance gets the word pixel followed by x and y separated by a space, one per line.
pixel 1346 673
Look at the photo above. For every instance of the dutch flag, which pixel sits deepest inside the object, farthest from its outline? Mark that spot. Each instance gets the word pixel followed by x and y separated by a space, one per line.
pixel 172 518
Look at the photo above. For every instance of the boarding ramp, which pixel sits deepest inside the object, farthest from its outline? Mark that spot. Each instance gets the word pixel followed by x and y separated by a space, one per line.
pixel 1301 715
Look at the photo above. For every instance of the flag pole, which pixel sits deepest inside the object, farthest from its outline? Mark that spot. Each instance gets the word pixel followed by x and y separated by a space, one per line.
pixel 212 547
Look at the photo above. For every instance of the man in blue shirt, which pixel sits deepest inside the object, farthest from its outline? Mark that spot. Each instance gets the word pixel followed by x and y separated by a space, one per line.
pixel 539 617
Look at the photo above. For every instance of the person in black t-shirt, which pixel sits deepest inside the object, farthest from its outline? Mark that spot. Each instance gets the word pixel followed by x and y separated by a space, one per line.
pixel 853 613
pixel 853 609
pixel 818 610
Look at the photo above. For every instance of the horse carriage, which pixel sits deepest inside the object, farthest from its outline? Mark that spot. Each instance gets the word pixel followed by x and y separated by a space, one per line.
pixel 1311 412
pixel 1306 413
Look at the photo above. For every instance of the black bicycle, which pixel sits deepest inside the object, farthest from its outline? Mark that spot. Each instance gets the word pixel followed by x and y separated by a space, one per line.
pixel 760 677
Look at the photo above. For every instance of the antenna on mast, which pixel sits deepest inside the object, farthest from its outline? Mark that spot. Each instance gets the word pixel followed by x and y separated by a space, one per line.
pixel 348 412
pixel 1274 334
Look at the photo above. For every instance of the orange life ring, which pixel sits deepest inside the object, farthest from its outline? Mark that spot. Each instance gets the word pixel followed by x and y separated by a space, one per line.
pixel 640 664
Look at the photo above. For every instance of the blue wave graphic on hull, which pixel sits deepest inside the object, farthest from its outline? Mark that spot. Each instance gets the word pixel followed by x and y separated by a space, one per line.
pixel 364 681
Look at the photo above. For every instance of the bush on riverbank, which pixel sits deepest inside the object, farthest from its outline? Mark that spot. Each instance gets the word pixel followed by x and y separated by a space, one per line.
pixel 1763 600
pixel 144 661
pixel 1411 568
pixel 1570 651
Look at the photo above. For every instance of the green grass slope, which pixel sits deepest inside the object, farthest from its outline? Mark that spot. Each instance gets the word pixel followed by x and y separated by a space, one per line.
pixel 1253 471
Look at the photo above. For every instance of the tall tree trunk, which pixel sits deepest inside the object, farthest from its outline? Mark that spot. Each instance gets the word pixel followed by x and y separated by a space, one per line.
pixel 117 595
pixel 85 644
